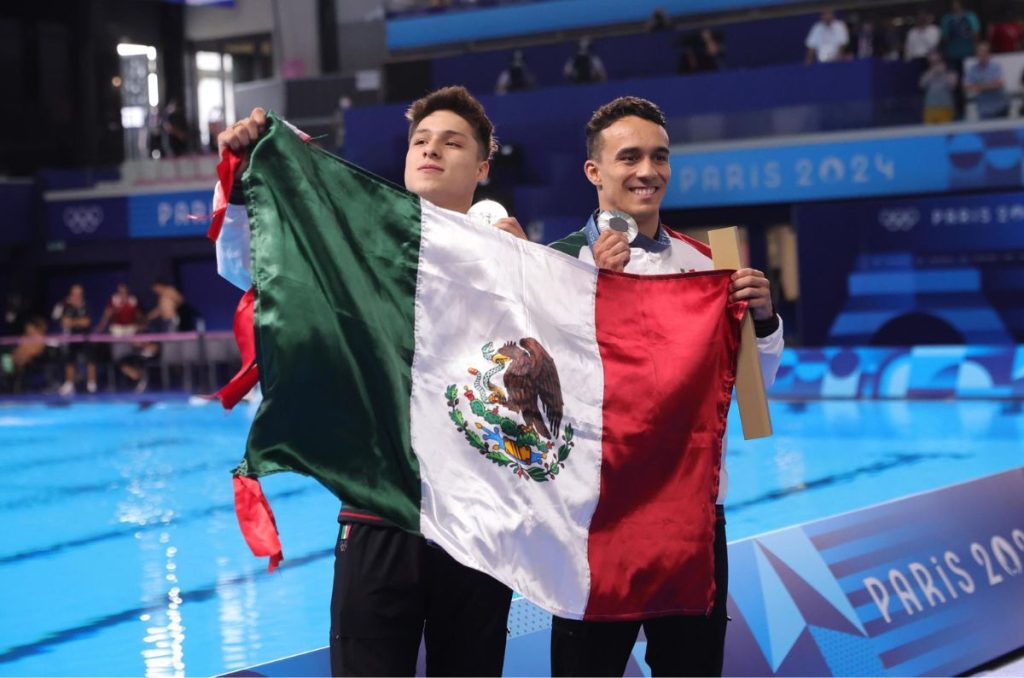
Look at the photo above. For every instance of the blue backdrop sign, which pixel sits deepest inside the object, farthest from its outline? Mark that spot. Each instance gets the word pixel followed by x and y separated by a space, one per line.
pixel 906 588
pixel 844 167
pixel 920 270
pixel 912 587
pixel 87 219
pixel 964 371
pixel 17 197
pixel 147 215
pixel 169 215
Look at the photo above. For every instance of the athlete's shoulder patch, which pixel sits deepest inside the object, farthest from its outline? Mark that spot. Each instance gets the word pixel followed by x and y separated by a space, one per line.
pixel 571 244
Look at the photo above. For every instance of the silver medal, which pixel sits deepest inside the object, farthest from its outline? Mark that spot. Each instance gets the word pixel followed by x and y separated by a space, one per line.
pixel 620 222
pixel 486 212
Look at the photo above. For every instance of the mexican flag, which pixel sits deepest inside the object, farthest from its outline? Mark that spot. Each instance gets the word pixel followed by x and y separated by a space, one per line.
pixel 555 426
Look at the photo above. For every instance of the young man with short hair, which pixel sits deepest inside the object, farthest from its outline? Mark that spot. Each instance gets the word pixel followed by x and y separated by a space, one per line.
pixel 628 164
pixel 392 588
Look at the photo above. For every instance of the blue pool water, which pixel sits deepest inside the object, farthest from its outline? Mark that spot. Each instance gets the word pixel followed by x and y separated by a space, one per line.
pixel 122 556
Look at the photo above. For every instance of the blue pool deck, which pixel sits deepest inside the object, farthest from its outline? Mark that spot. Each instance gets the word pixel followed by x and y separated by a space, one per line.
pixel 123 556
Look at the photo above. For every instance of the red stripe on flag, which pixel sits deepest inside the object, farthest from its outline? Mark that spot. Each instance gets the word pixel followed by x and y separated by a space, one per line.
pixel 668 345
pixel 257 520
pixel 245 337
pixel 226 169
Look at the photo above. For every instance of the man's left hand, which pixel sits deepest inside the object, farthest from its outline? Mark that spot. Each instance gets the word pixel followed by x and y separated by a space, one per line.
pixel 511 225
pixel 750 285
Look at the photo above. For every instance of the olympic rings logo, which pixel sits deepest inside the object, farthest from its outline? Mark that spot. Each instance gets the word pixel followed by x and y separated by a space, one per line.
pixel 83 218
pixel 897 220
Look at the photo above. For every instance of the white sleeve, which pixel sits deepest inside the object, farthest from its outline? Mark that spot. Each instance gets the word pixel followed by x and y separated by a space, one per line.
pixel 769 350
pixel 813 37
pixel 233 254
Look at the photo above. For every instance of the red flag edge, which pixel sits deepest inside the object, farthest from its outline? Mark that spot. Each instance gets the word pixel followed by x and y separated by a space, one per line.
pixel 226 169
pixel 257 520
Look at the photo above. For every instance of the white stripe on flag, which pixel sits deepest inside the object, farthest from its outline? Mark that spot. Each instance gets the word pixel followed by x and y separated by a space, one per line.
pixel 530 535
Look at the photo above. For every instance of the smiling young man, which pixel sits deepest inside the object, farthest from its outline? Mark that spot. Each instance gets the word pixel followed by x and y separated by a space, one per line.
pixel 628 164
pixel 392 588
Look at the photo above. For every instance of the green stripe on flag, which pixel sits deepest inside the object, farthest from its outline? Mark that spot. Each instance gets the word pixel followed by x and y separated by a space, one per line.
pixel 334 258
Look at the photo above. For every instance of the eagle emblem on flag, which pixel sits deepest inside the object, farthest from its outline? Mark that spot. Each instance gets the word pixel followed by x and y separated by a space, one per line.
pixel 516 425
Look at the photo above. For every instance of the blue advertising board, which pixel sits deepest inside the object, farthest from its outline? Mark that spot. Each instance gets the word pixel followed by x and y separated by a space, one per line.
pixel 918 270
pixel 906 588
pixel 169 215
pixel 17 198
pixel 991 372
pixel 85 218
pixel 845 166
pixel 134 215
pixel 910 587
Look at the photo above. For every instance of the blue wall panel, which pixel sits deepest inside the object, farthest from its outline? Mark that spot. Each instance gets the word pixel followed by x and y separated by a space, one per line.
pixel 869 270
pixel 376 136
pixel 752 44
pixel 528 18
pixel 16 224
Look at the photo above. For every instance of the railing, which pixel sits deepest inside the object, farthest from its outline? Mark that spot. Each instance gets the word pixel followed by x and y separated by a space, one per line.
pixel 195 362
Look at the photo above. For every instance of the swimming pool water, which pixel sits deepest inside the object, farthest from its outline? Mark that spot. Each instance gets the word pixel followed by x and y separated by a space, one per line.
pixel 122 555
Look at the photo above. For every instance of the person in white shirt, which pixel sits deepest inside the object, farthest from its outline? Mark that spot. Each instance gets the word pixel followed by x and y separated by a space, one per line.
pixel 827 39
pixel 628 164
pixel 922 38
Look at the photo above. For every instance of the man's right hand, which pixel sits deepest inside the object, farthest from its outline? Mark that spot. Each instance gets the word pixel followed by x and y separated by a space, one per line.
pixel 242 136
pixel 611 251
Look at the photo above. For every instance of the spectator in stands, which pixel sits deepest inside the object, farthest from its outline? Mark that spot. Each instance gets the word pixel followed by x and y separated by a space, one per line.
pixel 939 84
pixel 72 313
pixel 584 66
pixel 827 39
pixel 875 38
pixel 658 21
pixel 922 39
pixel 28 355
pixel 165 315
pixel 122 317
pixel 215 124
pixel 960 30
pixel 174 128
pixel 984 84
pixel 867 43
pixel 890 39
pixel 702 51
pixel 122 313
pixel 516 76
pixel 1006 33
pixel 959 35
